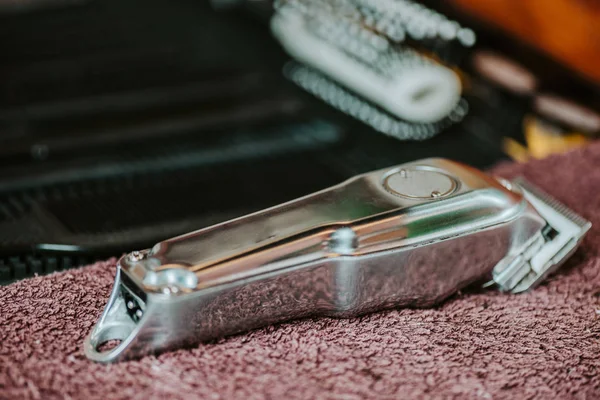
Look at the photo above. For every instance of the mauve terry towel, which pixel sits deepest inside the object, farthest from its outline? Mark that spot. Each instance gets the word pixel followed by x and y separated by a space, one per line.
pixel 543 344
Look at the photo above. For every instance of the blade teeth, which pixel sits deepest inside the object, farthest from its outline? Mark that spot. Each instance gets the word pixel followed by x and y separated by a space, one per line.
pixel 552 202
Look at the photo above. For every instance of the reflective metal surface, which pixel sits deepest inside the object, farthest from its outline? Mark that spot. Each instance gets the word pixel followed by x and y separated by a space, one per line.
pixel 411 235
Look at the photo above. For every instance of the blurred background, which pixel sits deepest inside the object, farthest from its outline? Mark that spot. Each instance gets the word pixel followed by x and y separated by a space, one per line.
pixel 126 122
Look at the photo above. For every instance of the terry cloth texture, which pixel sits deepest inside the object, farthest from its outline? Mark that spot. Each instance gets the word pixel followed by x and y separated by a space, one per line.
pixel 481 345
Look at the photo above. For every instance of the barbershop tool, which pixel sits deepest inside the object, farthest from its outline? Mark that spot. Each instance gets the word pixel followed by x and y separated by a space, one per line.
pixel 355 59
pixel 406 236
pixel 399 80
pixel 351 104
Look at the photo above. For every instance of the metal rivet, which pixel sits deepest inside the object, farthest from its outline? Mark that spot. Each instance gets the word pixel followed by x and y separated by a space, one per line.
pixel 343 241
pixel 130 304
pixel 171 289
pixel 435 194
pixel 136 256
pixel 403 173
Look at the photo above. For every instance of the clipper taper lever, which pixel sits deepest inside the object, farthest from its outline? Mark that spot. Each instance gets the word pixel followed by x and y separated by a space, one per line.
pixel 407 236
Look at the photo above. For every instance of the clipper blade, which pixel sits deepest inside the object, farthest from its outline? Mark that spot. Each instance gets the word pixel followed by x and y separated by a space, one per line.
pixel 552 203
pixel 548 250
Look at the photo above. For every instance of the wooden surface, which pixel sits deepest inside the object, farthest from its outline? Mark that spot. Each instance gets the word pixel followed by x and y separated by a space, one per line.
pixel 568 30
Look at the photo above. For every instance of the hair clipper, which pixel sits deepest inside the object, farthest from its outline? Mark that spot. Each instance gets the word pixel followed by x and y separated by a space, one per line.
pixel 407 236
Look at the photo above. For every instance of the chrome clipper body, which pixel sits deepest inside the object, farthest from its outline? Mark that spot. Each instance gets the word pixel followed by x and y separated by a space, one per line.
pixel 408 236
